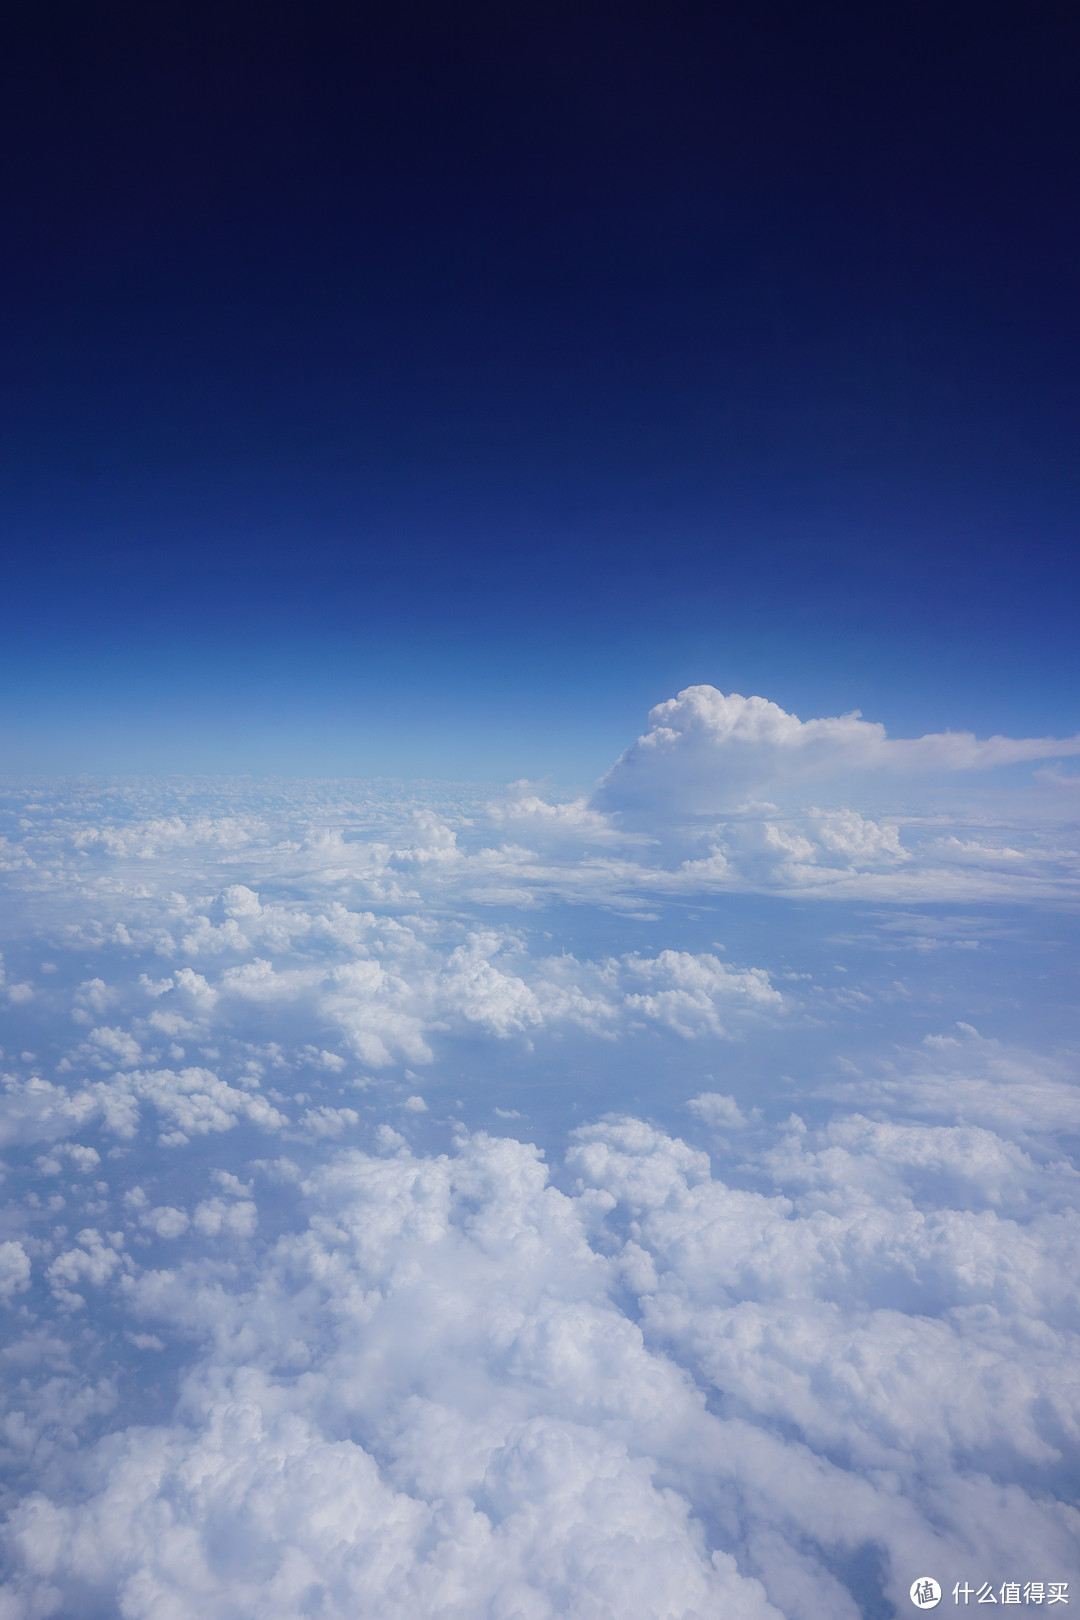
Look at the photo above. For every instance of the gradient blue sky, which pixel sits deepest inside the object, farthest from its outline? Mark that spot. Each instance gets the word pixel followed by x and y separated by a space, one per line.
pixel 428 391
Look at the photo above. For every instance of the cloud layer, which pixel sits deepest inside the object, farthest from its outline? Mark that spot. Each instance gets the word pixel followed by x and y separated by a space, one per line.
pixel 300 1319
pixel 451 1387
pixel 722 794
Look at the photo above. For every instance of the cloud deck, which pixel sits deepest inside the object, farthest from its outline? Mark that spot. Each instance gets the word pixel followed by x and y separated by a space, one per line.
pixel 430 1202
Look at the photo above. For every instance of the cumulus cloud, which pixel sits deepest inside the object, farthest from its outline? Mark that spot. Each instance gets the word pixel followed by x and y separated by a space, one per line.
pixel 783 1315
pixel 707 751
pixel 722 792
pixel 431 1396
pixel 736 793
pixel 34 1110
pixel 14 1269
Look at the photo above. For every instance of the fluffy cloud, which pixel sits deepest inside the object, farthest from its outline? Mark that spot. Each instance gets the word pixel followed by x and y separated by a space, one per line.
pixel 14 1269
pixel 452 1388
pixel 707 751
pixel 964 1077
pixel 738 794
pixel 287 1332
pixel 722 793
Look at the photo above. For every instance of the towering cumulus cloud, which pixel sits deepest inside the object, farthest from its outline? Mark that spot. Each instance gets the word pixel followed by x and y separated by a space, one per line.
pixel 658 1207
pixel 734 792
pixel 707 751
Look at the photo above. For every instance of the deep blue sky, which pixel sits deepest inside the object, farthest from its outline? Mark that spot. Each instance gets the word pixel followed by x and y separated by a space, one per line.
pixel 430 389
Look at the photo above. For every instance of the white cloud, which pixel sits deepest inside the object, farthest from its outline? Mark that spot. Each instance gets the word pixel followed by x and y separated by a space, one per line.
pixel 398 1367
pixel 325 1121
pixel 83 1158
pixel 738 794
pixel 165 1221
pixel 967 1078
pixel 473 1421
pixel 14 1268
pixel 93 1261
pixel 722 792
pixel 217 1216
pixel 527 814
pixel 195 1102
pixel 116 1048
pixel 722 1113
pixel 34 1110
pixel 707 751
pixel 93 999
pixel 188 1102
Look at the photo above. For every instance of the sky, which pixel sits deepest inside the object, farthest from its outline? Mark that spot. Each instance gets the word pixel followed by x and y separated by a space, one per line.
pixel 383 380
pixel 539 812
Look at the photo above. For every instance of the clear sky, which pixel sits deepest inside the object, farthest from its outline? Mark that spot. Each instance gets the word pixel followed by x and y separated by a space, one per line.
pixel 429 391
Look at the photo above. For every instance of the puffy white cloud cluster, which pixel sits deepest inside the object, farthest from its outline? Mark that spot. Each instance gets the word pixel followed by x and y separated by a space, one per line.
pixel 381 989
pixel 753 797
pixel 707 751
pixel 722 794
pixel 454 1388
pixel 298 1319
